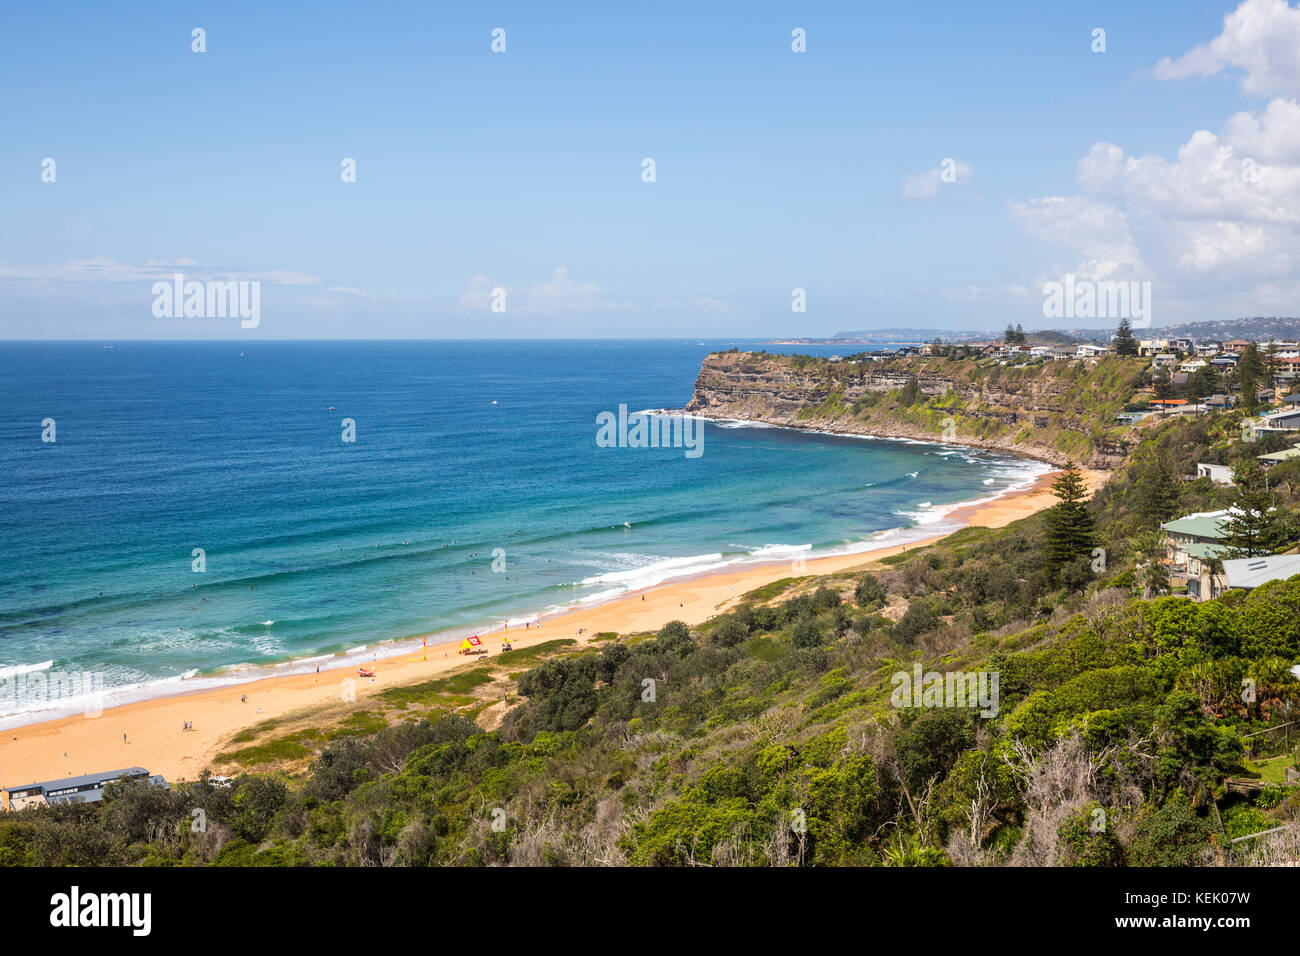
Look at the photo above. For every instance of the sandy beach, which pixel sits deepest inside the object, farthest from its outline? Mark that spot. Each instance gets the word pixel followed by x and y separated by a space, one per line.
pixel 154 737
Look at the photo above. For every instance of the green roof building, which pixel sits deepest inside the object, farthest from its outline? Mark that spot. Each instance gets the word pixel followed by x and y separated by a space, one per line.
pixel 1208 527
pixel 1273 458
pixel 1192 541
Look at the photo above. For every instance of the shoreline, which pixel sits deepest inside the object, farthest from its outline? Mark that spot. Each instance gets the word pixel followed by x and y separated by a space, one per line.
pixel 365 649
pixel 68 745
pixel 912 435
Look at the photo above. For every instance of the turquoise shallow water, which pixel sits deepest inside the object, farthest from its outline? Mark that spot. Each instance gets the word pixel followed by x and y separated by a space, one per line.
pixel 315 546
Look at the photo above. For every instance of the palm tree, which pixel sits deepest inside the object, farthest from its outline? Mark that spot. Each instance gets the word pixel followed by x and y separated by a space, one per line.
pixel 1214 567
pixel 1151 550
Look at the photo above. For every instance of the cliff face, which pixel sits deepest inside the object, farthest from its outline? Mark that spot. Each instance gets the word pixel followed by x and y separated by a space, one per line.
pixel 1059 411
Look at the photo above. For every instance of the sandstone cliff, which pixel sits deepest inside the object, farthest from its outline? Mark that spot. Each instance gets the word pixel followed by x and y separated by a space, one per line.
pixel 1057 411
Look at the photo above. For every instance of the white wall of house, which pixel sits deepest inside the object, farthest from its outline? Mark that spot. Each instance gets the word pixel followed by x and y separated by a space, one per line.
pixel 1219 474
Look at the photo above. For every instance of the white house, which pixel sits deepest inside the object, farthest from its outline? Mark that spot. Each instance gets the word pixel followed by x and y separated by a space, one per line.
pixel 1219 474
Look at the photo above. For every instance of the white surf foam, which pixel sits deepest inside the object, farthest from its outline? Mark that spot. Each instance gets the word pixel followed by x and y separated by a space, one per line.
pixel 6 672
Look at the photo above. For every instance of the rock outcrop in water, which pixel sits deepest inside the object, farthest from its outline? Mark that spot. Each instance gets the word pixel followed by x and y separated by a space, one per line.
pixel 1056 411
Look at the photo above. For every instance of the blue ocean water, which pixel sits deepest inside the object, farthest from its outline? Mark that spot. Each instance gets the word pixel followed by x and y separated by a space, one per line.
pixel 316 546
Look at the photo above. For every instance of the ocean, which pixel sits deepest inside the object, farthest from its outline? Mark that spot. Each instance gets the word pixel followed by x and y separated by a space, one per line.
pixel 474 492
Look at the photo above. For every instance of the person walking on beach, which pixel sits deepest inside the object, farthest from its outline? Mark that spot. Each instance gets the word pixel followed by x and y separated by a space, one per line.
pixel 124 738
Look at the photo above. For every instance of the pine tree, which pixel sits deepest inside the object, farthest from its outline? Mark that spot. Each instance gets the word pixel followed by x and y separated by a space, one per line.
pixel 1151 548
pixel 1124 342
pixel 1069 524
pixel 1163 384
pixel 1203 383
pixel 1269 362
pixel 1248 374
pixel 1253 527
pixel 1157 489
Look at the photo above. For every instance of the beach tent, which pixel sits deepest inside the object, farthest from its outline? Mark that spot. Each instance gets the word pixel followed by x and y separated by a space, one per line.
pixel 470 645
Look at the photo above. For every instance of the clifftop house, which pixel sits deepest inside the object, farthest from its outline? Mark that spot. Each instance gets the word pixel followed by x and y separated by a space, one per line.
pixel 1192 541
pixel 1277 457
pixel 1218 474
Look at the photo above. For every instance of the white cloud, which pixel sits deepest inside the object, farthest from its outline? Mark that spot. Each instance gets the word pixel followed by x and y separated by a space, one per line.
pixel 926 184
pixel 1260 37
pixel 478 295
pixel 554 296
pixel 1222 216
pixel 106 281
pixel 701 303
pixel 983 293
pixel 1270 136
pixel 560 294
pixel 1095 230
pixel 102 269
pixel 713 306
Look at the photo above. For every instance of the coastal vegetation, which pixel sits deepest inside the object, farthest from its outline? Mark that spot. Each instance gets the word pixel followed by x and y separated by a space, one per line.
pixel 1127 724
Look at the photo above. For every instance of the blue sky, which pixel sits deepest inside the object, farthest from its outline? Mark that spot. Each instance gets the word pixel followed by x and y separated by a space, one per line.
pixel 522 170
